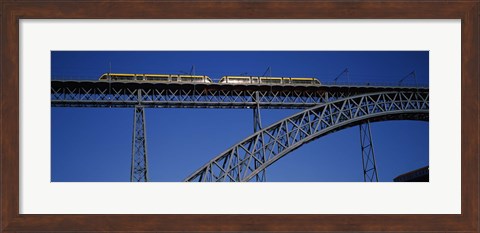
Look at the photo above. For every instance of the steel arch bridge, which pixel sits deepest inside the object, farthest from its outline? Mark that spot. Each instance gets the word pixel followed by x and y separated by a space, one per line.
pixel 101 94
pixel 247 159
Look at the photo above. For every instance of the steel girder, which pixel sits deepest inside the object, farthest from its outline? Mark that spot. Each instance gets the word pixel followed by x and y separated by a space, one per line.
pixel 369 163
pixel 257 125
pixel 139 169
pixel 104 94
pixel 238 163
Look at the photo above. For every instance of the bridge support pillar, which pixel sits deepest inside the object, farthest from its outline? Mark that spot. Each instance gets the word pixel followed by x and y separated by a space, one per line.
pixel 257 122
pixel 257 125
pixel 368 154
pixel 139 167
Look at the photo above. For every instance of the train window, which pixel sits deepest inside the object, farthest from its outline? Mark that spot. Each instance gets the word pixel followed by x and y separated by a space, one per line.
pixel 270 80
pixel 301 81
pixel 198 80
pixel 122 78
pixel 157 78
pixel 191 79
pixel 238 80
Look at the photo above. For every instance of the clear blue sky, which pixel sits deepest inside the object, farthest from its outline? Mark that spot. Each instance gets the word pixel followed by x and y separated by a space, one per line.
pixel 95 144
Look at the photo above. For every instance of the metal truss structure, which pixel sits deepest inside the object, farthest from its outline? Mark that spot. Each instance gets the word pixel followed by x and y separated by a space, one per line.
pixel 139 170
pixel 239 163
pixel 257 125
pixel 368 154
pixel 187 95
pixel 332 107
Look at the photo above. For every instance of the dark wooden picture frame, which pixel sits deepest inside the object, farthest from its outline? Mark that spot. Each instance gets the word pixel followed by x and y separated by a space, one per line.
pixel 12 11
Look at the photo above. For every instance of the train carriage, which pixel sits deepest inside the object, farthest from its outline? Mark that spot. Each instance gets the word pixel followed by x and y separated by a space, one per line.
pixel 164 78
pixel 181 78
pixel 268 80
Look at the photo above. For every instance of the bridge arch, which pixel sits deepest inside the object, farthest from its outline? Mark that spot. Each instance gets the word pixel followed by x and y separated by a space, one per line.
pixel 243 161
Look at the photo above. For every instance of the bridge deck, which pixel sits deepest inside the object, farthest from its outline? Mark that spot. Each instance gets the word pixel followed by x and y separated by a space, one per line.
pixel 203 95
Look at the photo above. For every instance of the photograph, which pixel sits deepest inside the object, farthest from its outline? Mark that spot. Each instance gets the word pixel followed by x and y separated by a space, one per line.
pixel 239 116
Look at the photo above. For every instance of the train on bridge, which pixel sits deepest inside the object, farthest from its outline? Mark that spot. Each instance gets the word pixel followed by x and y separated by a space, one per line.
pixel 182 78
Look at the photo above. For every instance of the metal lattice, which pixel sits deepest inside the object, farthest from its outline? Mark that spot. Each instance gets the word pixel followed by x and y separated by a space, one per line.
pixel 368 154
pixel 257 125
pixel 257 122
pixel 102 94
pixel 139 169
pixel 238 164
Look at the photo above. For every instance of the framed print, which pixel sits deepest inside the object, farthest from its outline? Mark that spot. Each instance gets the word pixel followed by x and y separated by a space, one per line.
pixel 184 58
